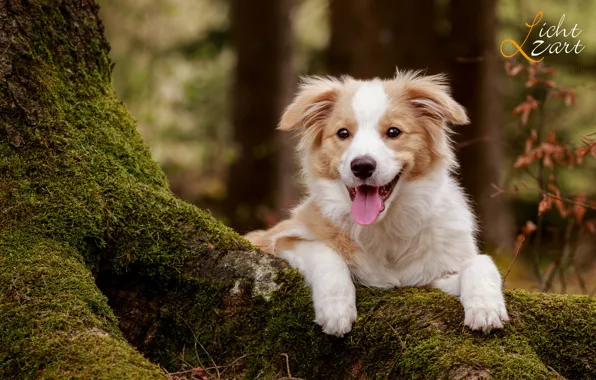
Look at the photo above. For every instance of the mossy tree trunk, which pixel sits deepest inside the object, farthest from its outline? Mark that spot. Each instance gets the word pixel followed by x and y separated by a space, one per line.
pixel 105 274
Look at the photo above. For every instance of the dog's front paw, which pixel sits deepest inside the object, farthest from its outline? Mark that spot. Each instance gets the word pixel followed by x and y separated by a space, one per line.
pixel 336 315
pixel 485 315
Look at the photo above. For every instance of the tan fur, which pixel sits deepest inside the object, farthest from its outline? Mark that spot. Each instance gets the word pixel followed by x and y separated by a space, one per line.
pixel 419 108
pixel 311 108
pixel 310 216
pixel 286 243
pixel 322 107
pixel 325 157
pixel 263 239
pixel 432 97
pixel 415 147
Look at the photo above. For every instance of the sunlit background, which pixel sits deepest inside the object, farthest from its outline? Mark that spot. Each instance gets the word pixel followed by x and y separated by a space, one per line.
pixel 207 81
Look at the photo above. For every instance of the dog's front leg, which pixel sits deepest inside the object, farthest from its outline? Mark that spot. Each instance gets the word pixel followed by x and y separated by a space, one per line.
pixel 479 286
pixel 328 275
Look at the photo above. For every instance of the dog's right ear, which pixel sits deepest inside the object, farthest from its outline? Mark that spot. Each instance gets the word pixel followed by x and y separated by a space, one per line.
pixel 311 107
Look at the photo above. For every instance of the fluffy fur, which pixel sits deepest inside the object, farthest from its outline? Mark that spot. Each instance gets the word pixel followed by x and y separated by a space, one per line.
pixel 424 234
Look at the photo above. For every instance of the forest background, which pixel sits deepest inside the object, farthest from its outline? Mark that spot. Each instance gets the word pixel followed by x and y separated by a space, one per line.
pixel 207 81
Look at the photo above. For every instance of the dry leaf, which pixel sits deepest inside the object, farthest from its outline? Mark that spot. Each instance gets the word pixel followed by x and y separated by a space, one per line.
pixel 544 205
pixel 529 228
pixel 578 210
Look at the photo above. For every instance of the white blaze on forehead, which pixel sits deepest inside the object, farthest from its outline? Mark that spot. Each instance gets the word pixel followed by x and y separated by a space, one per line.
pixel 369 103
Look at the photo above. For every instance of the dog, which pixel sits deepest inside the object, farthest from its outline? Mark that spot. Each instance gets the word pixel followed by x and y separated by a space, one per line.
pixel 383 206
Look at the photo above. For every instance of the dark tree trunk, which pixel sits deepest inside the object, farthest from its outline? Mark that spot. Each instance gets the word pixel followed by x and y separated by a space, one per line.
pixel 98 256
pixel 474 76
pixel 373 38
pixel 262 37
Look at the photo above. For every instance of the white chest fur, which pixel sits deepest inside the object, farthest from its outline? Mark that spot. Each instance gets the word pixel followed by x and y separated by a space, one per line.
pixel 427 233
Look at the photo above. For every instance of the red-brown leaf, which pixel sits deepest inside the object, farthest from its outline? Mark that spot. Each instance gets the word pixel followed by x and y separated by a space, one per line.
pixel 578 210
pixel 544 205
pixel 529 227
pixel 561 207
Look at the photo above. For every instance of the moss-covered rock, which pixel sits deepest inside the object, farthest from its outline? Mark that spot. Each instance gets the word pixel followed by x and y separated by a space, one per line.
pixel 97 255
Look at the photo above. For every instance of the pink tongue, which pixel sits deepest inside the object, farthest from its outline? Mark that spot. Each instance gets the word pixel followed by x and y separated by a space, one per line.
pixel 367 205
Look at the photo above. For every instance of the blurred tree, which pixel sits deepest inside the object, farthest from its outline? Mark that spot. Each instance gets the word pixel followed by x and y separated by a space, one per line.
pixel 370 39
pixel 474 73
pixel 263 39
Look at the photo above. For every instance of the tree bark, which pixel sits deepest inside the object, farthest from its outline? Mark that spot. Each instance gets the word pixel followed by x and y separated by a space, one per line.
pixel 105 274
pixel 263 82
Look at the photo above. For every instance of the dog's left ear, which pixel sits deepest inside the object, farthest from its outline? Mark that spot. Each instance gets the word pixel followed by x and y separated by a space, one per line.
pixel 431 96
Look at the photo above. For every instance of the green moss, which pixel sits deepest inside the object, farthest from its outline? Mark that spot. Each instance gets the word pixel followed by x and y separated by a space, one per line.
pixel 560 328
pixel 409 333
pixel 54 320
pixel 419 333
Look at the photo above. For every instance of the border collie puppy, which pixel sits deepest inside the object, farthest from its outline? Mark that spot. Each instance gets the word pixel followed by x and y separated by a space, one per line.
pixel 382 207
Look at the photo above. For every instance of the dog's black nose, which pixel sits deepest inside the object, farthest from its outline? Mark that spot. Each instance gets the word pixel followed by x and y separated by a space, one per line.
pixel 363 167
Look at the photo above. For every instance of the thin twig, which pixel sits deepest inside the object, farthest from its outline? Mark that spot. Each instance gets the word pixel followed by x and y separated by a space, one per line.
pixel 392 366
pixel 563 280
pixel 403 345
pixel 548 277
pixel 517 250
pixel 500 191
pixel 233 363
pixel 580 279
pixel 537 245
pixel 593 292
pixel 536 255
pixel 290 377
pixel 403 349
pixel 568 253
pixel 287 364
pixel 224 367
pixel 574 244
pixel 473 141
pixel 212 361
pixel 541 185
pixel 178 372
pixel 556 373
pixel 204 350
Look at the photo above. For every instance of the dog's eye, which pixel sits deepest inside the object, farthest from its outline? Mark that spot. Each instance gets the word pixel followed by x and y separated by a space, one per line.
pixel 393 132
pixel 343 133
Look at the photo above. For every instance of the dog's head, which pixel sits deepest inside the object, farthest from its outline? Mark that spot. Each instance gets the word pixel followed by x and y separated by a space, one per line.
pixel 371 135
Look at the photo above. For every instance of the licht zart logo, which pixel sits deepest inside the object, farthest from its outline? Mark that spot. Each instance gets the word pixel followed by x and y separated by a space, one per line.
pixel 567 43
